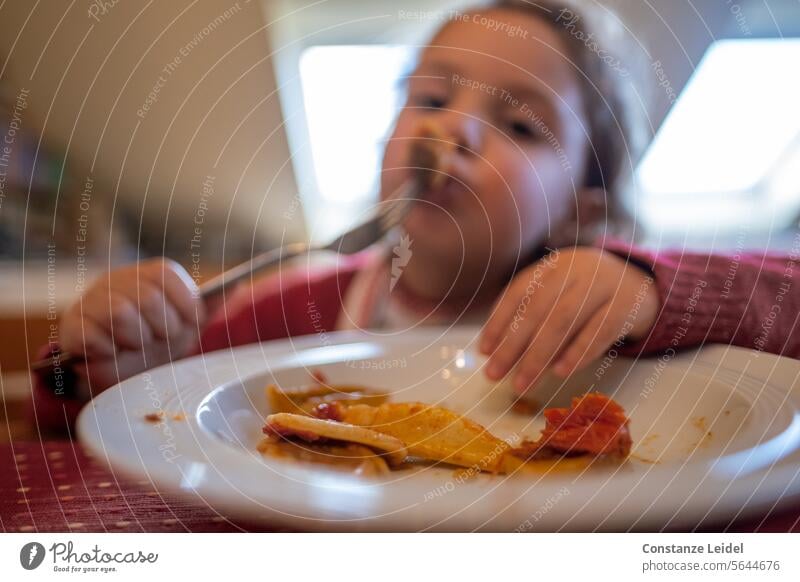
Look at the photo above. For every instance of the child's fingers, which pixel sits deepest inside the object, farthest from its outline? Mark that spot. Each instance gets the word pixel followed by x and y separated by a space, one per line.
pixel 500 319
pixel 162 318
pixel 502 360
pixel 103 372
pixel 83 336
pixel 589 344
pixel 515 338
pixel 567 317
pixel 96 342
pixel 122 320
pixel 180 290
pixel 515 304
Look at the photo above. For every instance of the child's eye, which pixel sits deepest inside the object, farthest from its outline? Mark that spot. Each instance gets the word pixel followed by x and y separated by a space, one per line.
pixel 522 129
pixel 430 101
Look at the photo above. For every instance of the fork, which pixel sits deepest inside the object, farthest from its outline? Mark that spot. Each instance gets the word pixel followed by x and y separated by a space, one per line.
pixel 389 215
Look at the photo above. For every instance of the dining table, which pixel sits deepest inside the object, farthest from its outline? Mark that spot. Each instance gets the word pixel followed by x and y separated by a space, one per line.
pixel 53 485
pixel 48 482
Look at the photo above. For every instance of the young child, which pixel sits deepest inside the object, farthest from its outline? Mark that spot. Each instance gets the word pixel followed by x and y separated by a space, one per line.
pixel 514 238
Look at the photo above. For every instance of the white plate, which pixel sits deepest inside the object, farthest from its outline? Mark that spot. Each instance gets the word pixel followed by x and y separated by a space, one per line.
pixel 716 434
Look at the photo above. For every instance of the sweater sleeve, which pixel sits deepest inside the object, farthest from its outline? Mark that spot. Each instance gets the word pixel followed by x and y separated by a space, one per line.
pixel 742 299
pixel 282 305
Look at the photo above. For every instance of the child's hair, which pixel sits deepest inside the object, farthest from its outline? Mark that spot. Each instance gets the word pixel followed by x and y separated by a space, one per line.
pixel 614 131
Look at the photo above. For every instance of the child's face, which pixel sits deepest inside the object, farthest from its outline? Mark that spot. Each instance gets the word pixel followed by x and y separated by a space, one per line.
pixel 513 104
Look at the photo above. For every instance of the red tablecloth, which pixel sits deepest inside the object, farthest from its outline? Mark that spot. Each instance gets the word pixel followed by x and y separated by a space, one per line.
pixel 55 487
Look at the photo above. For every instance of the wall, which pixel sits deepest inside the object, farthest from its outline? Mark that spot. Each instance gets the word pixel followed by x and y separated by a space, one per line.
pixel 214 111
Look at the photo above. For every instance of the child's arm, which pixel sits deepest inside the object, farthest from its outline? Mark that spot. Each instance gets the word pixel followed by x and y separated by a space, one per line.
pixel 747 300
pixel 572 306
pixel 288 303
pixel 133 318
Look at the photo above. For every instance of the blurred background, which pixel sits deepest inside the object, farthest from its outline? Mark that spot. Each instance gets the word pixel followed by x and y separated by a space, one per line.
pixel 207 131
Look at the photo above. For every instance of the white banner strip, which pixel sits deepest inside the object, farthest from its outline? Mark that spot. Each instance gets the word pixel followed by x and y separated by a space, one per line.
pixel 401 557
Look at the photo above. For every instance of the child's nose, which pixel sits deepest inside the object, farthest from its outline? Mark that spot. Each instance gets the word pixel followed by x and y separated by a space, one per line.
pixel 461 129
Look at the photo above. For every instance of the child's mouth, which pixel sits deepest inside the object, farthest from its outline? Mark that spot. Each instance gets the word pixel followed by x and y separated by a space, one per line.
pixel 443 196
pixel 433 159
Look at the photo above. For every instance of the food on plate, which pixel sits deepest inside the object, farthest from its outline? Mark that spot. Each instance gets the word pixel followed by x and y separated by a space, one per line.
pixel 594 429
pixel 593 425
pixel 351 457
pixel 429 432
pixel 158 417
pixel 304 400
pixel 286 425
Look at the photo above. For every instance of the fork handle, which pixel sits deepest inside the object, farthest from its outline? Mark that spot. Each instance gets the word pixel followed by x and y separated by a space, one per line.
pixel 258 263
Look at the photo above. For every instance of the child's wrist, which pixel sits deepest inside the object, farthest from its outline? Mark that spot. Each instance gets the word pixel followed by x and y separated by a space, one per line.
pixel 647 305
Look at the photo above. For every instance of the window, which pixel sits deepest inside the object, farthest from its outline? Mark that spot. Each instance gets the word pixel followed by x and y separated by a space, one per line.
pixel 727 154
pixel 351 96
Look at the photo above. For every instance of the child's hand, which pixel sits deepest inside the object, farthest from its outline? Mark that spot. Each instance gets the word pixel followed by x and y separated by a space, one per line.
pixel 564 311
pixel 133 318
